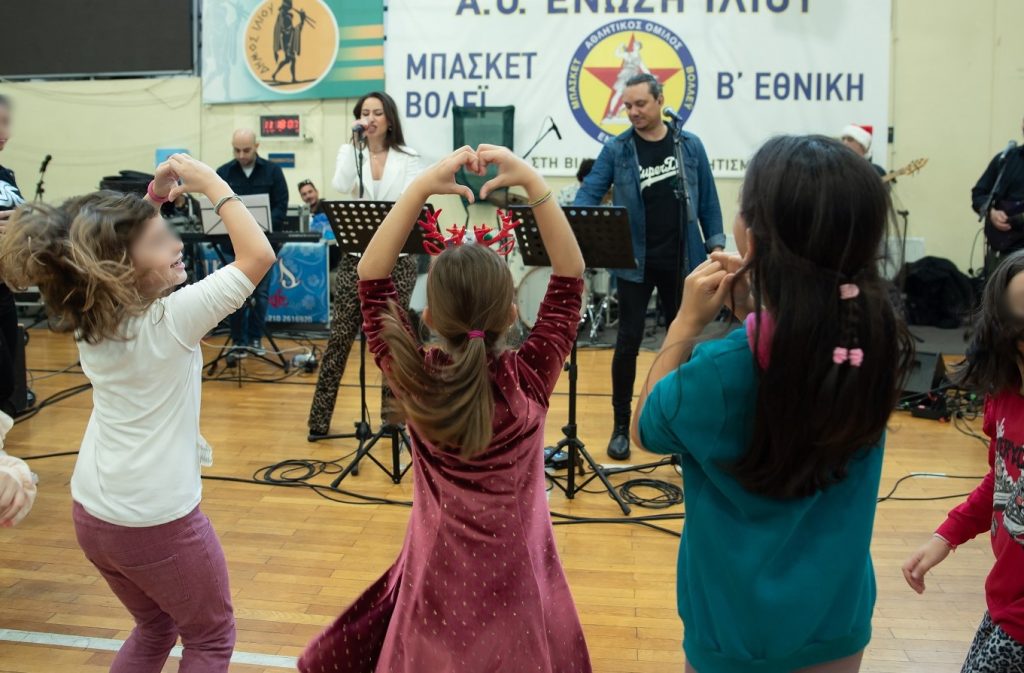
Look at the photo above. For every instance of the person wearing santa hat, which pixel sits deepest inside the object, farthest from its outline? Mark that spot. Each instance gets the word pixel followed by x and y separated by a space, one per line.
pixel 858 138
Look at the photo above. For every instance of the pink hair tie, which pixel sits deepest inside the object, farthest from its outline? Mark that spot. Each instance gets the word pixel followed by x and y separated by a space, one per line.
pixel 855 356
pixel 848 291
pixel 475 334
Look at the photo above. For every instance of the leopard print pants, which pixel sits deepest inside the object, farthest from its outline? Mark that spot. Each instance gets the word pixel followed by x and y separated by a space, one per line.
pixel 993 651
pixel 345 322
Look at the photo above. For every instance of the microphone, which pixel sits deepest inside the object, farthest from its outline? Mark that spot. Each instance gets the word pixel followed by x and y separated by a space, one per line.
pixel 1010 146
pixel 358 129
pixel 671 114
pixel 46 162
pixel 554 127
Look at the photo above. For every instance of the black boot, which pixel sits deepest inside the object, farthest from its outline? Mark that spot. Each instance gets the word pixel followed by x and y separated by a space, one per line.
pixel 618 446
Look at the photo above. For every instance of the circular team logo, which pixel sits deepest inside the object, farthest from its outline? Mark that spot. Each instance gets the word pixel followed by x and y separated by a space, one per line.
pixel 290 45
pixel 613 54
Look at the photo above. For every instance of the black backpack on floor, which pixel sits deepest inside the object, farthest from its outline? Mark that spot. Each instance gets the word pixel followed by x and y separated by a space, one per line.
pixel 937 293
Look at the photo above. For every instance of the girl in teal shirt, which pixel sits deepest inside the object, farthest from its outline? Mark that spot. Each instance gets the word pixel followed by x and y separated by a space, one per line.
pixel 782 452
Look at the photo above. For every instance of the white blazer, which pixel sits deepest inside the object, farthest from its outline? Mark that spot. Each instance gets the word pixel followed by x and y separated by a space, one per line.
pixel 401 167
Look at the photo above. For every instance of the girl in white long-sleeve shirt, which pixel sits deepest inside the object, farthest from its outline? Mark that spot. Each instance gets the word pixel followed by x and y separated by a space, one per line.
pixel 106 264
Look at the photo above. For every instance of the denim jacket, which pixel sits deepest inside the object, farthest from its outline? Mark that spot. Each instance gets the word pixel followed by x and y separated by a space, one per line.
pixel 618 165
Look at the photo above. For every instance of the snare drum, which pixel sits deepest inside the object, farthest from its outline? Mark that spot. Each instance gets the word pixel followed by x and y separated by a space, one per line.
pixel 599 281
pixel 530 293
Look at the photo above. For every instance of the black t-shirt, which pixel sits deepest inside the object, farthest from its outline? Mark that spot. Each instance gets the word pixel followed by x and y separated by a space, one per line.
pixel 10 197
pixel 658 171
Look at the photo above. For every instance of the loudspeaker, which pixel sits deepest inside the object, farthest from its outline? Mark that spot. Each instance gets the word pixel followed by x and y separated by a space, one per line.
pixel 926 374
pixel 19 398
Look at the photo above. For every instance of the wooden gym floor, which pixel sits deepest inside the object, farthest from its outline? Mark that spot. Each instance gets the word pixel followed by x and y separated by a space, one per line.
pixel 296 559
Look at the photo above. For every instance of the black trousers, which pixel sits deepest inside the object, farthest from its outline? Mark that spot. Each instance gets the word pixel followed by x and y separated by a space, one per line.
pixel 8 343
pixel 633 300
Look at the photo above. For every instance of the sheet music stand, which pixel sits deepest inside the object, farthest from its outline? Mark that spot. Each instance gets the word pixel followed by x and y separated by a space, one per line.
pixel 354 223
pixel 227 348
pixel 605 240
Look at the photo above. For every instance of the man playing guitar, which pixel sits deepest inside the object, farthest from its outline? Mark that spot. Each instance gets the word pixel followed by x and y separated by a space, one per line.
pixel 1004 224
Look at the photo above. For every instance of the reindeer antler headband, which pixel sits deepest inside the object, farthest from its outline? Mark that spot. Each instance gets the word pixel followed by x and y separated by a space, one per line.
pixel 434 242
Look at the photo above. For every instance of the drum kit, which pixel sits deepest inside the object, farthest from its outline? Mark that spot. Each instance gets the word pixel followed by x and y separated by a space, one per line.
pixel 600 307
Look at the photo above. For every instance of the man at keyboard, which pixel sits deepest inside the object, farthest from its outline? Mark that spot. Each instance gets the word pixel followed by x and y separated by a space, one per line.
pixel 249 173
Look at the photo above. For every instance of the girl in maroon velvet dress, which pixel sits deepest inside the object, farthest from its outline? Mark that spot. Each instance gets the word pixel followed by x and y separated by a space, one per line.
pixel 478 585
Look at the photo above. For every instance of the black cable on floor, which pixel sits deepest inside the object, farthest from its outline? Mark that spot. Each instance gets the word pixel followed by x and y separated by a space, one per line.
pixel 927 475
pixel 59 396
pixel 668 494
pixel 266 476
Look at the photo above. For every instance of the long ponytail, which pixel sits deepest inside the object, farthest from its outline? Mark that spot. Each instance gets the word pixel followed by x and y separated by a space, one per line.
pixel 451 403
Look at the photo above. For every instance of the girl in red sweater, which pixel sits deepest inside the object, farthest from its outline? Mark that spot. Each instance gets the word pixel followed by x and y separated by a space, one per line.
pixel 995 366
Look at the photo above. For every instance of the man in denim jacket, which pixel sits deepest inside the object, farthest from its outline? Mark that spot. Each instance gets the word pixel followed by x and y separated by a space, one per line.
pixel 641 166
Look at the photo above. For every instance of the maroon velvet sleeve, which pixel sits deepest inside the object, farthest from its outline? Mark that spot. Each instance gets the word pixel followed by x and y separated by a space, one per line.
pixel 374 297
pixel 545 350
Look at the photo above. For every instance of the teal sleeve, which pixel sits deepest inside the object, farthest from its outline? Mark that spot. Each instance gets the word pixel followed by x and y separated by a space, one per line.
pixel 685 410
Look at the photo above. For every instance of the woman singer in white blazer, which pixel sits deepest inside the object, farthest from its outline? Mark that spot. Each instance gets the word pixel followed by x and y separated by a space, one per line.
pixel 387 166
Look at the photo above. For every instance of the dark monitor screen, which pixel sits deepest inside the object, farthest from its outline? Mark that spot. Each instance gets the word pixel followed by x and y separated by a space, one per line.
pixel 53 38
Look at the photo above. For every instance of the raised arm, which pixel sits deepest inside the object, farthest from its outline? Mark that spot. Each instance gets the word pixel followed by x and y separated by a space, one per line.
pixel 559 241
pixel 704 294
pixel 379 258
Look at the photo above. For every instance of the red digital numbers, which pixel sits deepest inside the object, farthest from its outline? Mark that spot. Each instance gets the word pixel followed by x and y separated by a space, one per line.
pixel 280 126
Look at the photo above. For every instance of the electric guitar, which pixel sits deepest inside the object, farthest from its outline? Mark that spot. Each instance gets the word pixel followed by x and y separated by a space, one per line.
pixel 1006 240
pixel 910 169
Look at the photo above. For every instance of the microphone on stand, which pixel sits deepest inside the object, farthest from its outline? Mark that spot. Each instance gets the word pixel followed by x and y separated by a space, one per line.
pixel 40 190
pixel 985 210
pixel 554 127
pixel 1010 146
pixel 673 115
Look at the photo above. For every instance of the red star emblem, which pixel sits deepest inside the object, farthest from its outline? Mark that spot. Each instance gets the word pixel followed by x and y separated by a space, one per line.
pixel 608 76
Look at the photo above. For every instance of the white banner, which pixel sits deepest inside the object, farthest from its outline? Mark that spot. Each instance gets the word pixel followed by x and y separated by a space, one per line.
pixel 738 71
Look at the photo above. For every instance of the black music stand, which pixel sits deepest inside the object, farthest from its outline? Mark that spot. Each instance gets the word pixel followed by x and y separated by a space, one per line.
pixel 605 240
pixel 227 348
pixel 354 223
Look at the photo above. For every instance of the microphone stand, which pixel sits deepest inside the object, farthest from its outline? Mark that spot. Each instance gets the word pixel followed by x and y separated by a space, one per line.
pixel 359 141
pixel 542 137
pixel 983 213
pixel 682 194
pixel 40 190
